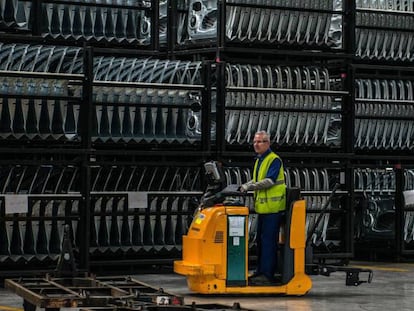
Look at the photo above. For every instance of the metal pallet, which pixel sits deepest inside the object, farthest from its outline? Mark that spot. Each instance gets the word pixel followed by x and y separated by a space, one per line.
pixel 192 307
pixel 75 292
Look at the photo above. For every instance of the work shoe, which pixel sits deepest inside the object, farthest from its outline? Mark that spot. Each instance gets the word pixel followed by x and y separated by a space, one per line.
pixel 260 280
pixel 254 274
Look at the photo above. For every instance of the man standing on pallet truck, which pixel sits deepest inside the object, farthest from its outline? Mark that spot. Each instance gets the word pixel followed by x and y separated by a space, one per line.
pixel 269 188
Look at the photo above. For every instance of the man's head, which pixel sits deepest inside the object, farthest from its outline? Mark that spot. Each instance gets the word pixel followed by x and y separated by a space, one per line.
pixel 261 142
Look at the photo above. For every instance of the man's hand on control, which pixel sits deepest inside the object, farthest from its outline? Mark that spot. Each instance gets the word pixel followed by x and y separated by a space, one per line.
pixel 263 184
pixel 247 186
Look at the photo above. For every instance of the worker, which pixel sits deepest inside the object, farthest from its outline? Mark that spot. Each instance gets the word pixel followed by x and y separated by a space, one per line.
pixel 269 188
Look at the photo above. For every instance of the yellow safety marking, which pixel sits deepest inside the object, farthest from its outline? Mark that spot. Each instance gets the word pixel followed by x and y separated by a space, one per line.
pixel 5 308
pixel 391 269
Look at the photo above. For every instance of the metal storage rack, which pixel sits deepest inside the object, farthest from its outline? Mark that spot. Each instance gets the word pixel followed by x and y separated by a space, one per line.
pixel 383 152
pixel 114 109
pixel 117 23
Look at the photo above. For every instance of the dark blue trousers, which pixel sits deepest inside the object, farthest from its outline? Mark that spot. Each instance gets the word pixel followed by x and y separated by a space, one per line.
pixel 268 227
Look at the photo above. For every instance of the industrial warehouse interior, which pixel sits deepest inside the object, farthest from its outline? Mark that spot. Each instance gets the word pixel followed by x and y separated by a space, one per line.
pixel 116 114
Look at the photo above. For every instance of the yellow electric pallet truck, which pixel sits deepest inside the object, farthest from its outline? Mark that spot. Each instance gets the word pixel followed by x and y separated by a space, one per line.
pixel 215 250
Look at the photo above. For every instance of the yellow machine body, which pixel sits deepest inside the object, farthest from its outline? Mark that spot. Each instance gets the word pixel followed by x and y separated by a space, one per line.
pixel 217 240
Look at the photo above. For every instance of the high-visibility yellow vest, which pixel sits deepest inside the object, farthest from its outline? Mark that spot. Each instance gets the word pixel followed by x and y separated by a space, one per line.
pixel 273 199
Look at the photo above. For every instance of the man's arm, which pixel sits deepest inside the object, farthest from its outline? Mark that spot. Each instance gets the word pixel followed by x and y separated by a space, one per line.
pixel 260 185
pixel 266 183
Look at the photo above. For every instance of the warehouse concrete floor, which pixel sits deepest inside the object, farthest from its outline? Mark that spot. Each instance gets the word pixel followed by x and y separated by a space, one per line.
pixel 392 288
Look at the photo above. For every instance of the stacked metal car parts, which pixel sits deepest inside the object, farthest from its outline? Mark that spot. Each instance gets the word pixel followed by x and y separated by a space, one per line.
pixel 201 19
pixel 54 199
pixel 384 30
pixel 158 225
pixel 316 186
pixel 14 13
pixel 315 23
pixel 280 112
pixel 39 58
pixel 124 21
pixel 408 233
pixel 127 112
pixel 38 106
pixel 162 114
pixel 116 227
pixel 376 219
pixel 36 235
pixel 383 113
